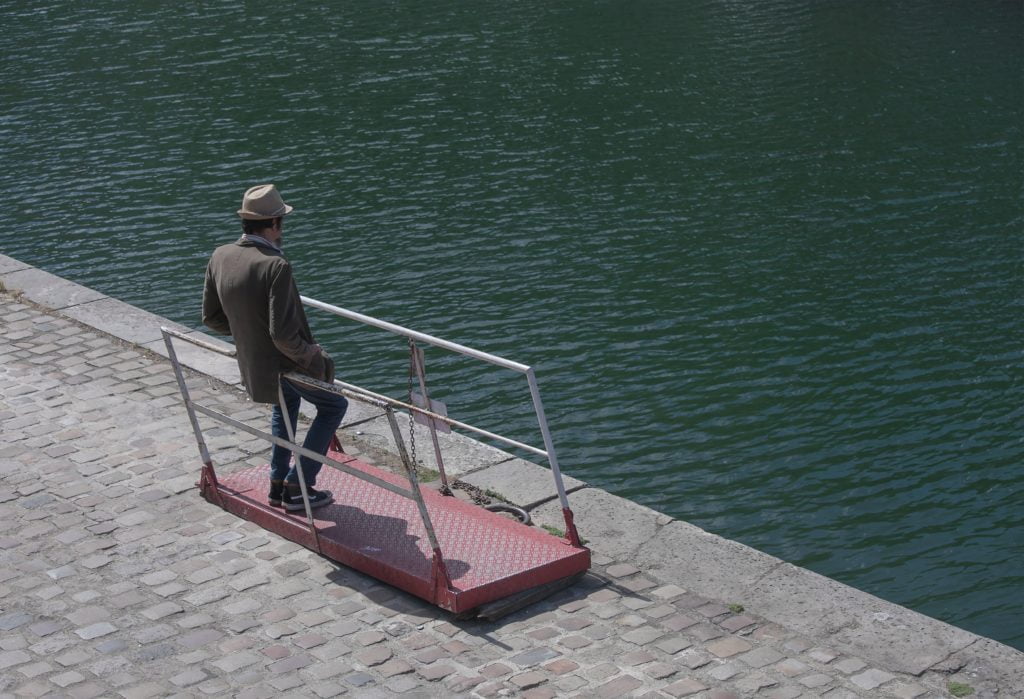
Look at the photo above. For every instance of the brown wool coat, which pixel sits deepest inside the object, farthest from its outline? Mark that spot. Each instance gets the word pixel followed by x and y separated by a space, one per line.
pixel 251 295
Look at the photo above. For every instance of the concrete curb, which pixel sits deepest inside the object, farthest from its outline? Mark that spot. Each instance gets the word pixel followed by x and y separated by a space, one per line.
pixel 832 614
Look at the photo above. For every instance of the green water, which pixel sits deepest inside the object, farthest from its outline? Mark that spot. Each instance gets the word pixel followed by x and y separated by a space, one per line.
pixel 766 257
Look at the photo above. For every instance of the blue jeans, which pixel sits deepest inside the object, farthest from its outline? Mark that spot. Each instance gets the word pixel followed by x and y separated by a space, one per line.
pixel 330 409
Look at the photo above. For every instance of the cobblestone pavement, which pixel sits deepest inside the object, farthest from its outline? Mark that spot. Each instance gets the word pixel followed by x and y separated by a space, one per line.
pixel 117 579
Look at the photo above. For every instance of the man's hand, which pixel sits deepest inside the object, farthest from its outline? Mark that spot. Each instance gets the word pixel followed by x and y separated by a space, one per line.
pixel 322 366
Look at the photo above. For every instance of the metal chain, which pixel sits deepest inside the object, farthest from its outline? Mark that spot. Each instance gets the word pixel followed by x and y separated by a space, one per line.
pixel 412 427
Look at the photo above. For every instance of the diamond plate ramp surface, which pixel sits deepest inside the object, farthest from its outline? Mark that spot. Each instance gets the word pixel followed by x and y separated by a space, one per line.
pixel 380 533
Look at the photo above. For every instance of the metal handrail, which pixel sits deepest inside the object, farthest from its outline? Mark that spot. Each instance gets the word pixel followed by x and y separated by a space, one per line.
pixel 382 398
pixel 205 344
pixel 416 335
pixel 538 406
pixel 547 452
pixel 209 478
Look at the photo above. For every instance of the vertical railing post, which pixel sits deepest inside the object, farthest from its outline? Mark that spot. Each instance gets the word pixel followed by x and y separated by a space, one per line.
pixel 439 572
pixel 421 373
pixel 570 527
pixel 298 465
pixel 207 477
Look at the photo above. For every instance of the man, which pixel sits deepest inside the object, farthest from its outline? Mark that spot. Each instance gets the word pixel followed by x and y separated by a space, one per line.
pixel 251 295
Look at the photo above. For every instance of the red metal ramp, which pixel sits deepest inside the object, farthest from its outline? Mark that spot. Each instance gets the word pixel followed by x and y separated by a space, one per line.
pixel 487 556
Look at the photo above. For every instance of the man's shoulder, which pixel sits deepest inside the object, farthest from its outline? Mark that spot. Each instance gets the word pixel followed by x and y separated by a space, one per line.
pixel 253 254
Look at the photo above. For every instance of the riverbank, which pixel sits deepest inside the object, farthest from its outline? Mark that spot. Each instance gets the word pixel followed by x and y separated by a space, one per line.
pixel 204 602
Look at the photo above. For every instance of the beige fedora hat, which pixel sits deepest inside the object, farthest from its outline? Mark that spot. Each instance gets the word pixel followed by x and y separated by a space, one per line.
pixel 263 201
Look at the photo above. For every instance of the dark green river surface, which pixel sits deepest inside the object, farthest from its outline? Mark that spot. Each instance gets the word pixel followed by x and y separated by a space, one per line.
pixel 767 258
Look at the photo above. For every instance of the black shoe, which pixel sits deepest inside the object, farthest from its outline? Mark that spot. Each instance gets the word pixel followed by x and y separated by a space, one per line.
pixel 317 498
pixel 276 493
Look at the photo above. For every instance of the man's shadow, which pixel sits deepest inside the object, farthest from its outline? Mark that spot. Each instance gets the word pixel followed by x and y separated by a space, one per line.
pixel 383 542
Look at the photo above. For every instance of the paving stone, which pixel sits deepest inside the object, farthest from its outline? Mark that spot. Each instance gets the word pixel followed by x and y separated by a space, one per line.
pixel 13 658
pixel 162 610
pixel 872 679
pixel 359 679
pixel 561 666
pixel 850 665
pixel 96 630
pixel 495 670
pixel 394 667
pixel 323 671
pixel 599 632
pixel 908 691
pixel 726 671
pixel 712 610
pixel 672 644
pixel 729 646
pixel 127 599
pixel 435 671
pixel 236 661
pixel 276 652
pixel 643 636
pixel 735 623
pixel 638 584
pixel 705 632
pixel 189 677
pixel 692 658
pixel 815 680
pixel 35 669
pixel 200 638
pixel 678 622
pixel 602 671
pixel 791 667
pixel 94 562
pixel 575 642
pixel 621 570
pixel 575 623
pixel 821 655
pixel 668 592
pixel 754 682
pixel 618 687
pixel 527 680
pixel 86 691
pixel 331 650
pixel 635 657
pixel 207 595
pixel 429 655
pixel 74 656
pixel 45 628
pixel 760 657
pixel 61 572
pixel 193 621
pixel 604 594
pixel 12 620
pixel 684 688
pixel 660 671
pixel 368 638
pixel 158 578
pixel 65 679
pixel 114 645
pixel 375 655
pixel 534 656
pixel 295 662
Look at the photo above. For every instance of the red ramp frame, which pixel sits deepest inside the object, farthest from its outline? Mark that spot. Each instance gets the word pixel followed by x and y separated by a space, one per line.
pixel 486 555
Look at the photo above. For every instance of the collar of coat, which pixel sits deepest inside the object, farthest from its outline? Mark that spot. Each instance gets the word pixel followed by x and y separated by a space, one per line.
pixel 248 238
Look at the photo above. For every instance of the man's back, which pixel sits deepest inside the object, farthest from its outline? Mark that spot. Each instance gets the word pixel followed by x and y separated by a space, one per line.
pixel 251 295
